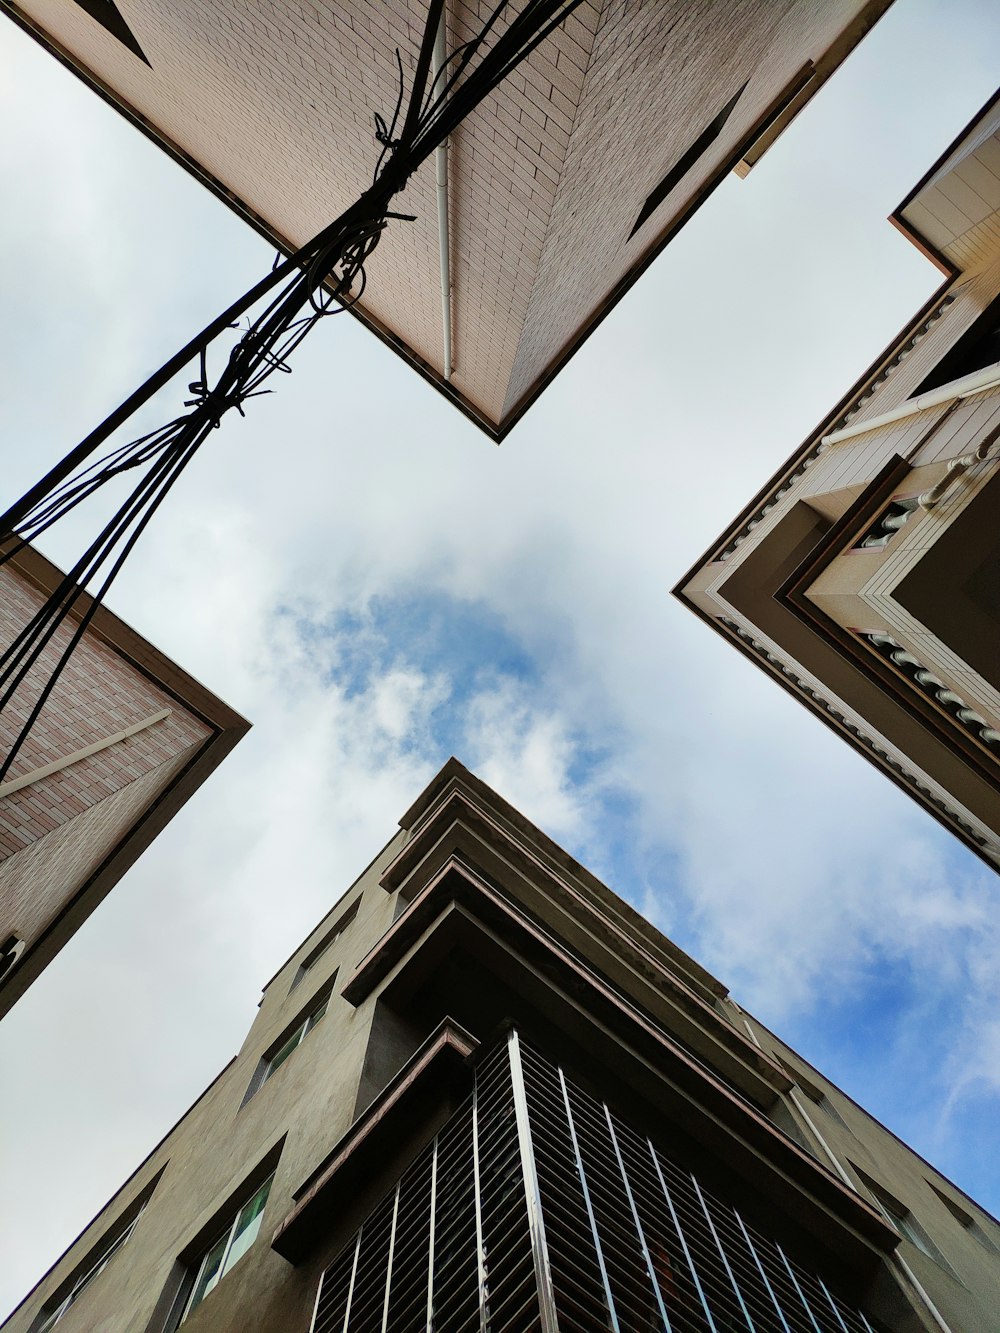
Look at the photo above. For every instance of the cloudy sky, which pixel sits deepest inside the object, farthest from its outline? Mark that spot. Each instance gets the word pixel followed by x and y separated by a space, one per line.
pixel 359 571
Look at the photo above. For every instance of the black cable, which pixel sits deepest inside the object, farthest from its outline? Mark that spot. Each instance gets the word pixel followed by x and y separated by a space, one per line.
pixel 321 278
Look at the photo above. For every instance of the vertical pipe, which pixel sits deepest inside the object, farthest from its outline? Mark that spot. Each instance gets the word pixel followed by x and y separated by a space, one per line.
pixel 477 1188
pixel 441 172
pixel 430 1239
pixel 532 1194
pixel 894 1259
pixel 638 1224
pixel 608 1298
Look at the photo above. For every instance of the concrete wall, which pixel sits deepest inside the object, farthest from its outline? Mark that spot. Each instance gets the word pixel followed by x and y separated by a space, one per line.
pixel 962 1276
pixel 209 1156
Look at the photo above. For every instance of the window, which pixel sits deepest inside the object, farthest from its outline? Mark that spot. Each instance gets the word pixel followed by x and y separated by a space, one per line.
pixel 226 1251
pixel 888 523
pixel 812 1090
pixel 325 943
pixel 977 348
pixel 967 1222
pixel 10 951
pixel 109 16
pixel 290 1042
pixel 684 163
pixel 899 1216
pixel 95 1263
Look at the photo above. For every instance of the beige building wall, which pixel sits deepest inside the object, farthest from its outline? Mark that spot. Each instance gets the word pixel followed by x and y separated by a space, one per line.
pixel 895 440
pixel 273 108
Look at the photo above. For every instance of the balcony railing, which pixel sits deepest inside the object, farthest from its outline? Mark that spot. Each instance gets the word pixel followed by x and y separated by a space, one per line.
pixel 537 1207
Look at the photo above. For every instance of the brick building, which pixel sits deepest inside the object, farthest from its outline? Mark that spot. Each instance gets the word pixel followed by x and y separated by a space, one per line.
pixel 124 740
pixel 864 575
pixel 485 1093
pixel 557 192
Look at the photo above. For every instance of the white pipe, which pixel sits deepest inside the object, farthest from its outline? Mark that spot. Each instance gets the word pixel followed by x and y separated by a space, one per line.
pixel 930 499
pixel 441 169
pixel 935 1313
pixel 36 774
pixel 894 1257
pixel 977 382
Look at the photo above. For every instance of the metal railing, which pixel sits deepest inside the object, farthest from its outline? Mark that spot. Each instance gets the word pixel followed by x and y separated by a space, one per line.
pixel 537 1208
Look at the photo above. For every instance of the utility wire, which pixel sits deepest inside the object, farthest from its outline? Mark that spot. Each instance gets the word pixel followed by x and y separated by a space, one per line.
pixel 325 276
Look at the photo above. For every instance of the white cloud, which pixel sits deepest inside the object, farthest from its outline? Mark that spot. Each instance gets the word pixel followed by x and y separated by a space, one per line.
pixel 781 858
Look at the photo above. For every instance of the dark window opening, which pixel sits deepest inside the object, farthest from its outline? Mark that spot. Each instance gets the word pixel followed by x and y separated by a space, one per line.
pixel 977 348
pixel 966 1221
pixel 109 16
pixel 684 164
pixel 888 523
pixel 328 940
pixel 899 1216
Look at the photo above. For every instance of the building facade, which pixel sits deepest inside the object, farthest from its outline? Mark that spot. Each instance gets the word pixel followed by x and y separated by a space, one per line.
pixel 486 1094
pixel 864 576
pixel 125 738
pixel 556 193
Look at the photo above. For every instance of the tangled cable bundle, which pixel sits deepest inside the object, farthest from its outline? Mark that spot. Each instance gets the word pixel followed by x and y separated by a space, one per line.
pixel 327 275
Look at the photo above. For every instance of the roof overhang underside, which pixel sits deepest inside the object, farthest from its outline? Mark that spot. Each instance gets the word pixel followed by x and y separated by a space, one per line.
pixel 275 112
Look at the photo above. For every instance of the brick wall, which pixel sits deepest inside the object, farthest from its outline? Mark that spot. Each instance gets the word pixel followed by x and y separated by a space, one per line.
pixel 276 102
pixel 56 831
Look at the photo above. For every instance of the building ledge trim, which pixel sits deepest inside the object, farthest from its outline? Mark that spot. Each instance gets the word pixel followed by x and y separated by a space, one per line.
pixel 439 1066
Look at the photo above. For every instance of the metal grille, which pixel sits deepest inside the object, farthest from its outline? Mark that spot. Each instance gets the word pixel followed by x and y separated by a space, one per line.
pixel 450 1248
pixel 537 1208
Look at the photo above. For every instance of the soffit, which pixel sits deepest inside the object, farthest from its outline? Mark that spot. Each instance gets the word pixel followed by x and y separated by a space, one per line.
pixel 956 212
pixel 274 108
pixel 646 1061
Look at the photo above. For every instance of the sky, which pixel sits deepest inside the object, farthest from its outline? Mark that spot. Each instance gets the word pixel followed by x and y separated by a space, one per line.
pixel 359 571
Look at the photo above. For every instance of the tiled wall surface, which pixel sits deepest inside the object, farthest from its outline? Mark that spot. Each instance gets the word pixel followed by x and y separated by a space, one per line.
pixel 57 830
pixel 276 102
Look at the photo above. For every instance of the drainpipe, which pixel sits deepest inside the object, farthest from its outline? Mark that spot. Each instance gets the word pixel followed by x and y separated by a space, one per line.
pixel 441 171
pixel 895 1259
pixel 978 382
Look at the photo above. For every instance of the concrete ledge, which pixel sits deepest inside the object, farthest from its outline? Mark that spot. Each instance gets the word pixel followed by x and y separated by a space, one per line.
pixel 438 1068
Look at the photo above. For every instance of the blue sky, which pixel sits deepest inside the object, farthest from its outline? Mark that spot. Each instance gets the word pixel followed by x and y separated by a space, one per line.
pixel 376 586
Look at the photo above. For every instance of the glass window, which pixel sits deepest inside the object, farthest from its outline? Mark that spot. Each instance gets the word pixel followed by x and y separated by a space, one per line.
pixel 966 1221
pixel 899 1216
pixel 298 1036
pixel 91 1271
pixel 326 943
pixel 227 1250
pixel 273 1062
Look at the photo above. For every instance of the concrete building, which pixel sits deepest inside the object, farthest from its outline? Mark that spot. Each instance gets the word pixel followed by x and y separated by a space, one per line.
pixel 864 575
pixel 485 1093
pixel 124 740
pixel 556 193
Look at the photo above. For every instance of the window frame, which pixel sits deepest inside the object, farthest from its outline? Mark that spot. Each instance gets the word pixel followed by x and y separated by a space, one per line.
pixel 902 1219
pixel 691 156
pixel 186 1301
pixel 114 1240
pixel 339 928
pixel 290 1041
pixel 969 1224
